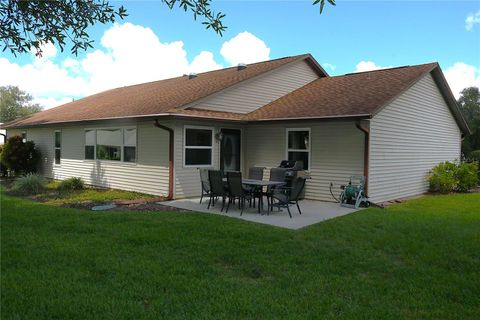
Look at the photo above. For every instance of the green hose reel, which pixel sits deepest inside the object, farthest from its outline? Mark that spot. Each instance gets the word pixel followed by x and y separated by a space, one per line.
pixel 350 191
pixel 353 194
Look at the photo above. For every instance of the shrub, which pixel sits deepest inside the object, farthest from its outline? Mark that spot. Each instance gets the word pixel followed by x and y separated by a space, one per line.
pixel 3 169
pixel 20 157
pixel 475 156
pixel 467 176
pixel 29 184
pixel 71 184
pixel 453 176
pixel 442 177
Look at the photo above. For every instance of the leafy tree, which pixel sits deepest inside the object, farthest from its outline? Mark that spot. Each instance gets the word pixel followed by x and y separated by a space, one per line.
pixel 26 25
pixel 469 103
pixel 20 157
pixel 15 103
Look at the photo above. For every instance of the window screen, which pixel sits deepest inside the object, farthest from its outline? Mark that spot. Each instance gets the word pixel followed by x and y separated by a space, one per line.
pixel 298 146
pixel 58 146
pixel 198 146
pixel 109 144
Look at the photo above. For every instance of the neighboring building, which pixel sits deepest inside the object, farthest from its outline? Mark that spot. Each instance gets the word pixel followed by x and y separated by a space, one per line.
pixel 391 125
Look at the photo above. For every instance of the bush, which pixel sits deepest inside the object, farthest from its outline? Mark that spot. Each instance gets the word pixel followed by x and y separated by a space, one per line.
pixel 453 176
pixel 467 176
pixel 3 169
pixel 71 184
pixel 475 156
pixel 20 157
pixel 29 184
pixel 442 177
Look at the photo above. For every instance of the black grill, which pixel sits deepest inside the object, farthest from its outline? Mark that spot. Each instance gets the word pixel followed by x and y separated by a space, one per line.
pixel 294 169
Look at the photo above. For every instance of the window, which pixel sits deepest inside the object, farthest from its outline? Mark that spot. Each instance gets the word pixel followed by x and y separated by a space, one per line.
pixel 111 144
pixel 298 146
pixel 90 144
pixel 198 146
pixel 58 146
pixel 129 145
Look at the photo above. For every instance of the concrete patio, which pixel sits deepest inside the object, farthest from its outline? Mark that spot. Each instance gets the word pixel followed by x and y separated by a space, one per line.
pixel 312 212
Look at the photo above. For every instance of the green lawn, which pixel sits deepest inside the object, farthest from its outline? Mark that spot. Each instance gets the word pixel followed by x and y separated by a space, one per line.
pixel 418 260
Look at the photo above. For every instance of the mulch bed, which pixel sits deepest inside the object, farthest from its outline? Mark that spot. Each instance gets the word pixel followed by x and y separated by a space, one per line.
pixel 143 206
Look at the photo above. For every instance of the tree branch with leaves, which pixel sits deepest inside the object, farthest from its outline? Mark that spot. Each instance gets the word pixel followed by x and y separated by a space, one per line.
pixel 25 25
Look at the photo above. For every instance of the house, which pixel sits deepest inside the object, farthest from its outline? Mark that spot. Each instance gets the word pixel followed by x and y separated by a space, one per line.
pixel 391 125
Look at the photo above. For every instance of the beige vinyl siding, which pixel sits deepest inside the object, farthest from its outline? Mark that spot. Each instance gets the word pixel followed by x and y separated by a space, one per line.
pixel 148 175
pixel 409 137
pixel 336 153
pixel 255 93
pixel 14 132
pixel 187 179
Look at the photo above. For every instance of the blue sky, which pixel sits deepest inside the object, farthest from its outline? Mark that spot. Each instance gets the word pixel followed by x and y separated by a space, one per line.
pixel 353 36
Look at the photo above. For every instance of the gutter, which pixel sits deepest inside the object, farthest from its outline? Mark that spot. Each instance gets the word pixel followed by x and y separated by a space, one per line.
pixel 366 152
pixel 170 157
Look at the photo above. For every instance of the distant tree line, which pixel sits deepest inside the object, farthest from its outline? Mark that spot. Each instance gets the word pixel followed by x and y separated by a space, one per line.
pixel 15 104
pixel 469 103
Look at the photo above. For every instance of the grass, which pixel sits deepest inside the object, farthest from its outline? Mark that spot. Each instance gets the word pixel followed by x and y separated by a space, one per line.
pixel 418 260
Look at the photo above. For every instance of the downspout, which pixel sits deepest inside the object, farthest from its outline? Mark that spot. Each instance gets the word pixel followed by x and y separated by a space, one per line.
pixel 170 157
pixel 366 152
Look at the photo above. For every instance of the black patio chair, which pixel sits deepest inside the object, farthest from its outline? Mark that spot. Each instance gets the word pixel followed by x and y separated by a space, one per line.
pixel 276 174
pixel 217 188
pixel 255 173
pixel 287 196
pixel 205 183
pixel 236 191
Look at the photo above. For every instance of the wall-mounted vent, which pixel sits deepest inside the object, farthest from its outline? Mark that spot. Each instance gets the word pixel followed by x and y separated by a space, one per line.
pixel 241 66
pixel 192 75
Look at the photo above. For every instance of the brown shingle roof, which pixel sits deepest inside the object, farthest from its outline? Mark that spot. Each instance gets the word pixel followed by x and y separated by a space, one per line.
pixel 357 94
pixel 153 98
pixel 351 95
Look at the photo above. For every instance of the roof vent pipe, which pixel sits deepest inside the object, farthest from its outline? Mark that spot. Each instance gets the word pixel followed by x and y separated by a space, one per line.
pixel 192 75
pixel 241 66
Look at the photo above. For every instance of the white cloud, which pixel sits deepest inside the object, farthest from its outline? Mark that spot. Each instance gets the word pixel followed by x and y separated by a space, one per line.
pixel 48 50
pixel 461 75
pixel 42 78
pixel 50 102
pixel 363 66
pixel 329 66
pixel 129 54
pixel 204 62
pixel 134 54
pixel 471 20
pixel 244 48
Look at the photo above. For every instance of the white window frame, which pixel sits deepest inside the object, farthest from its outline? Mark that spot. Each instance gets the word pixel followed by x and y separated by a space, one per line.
pixel 287 150
pixel 122 129
pixel 212 129
pixel 55 148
